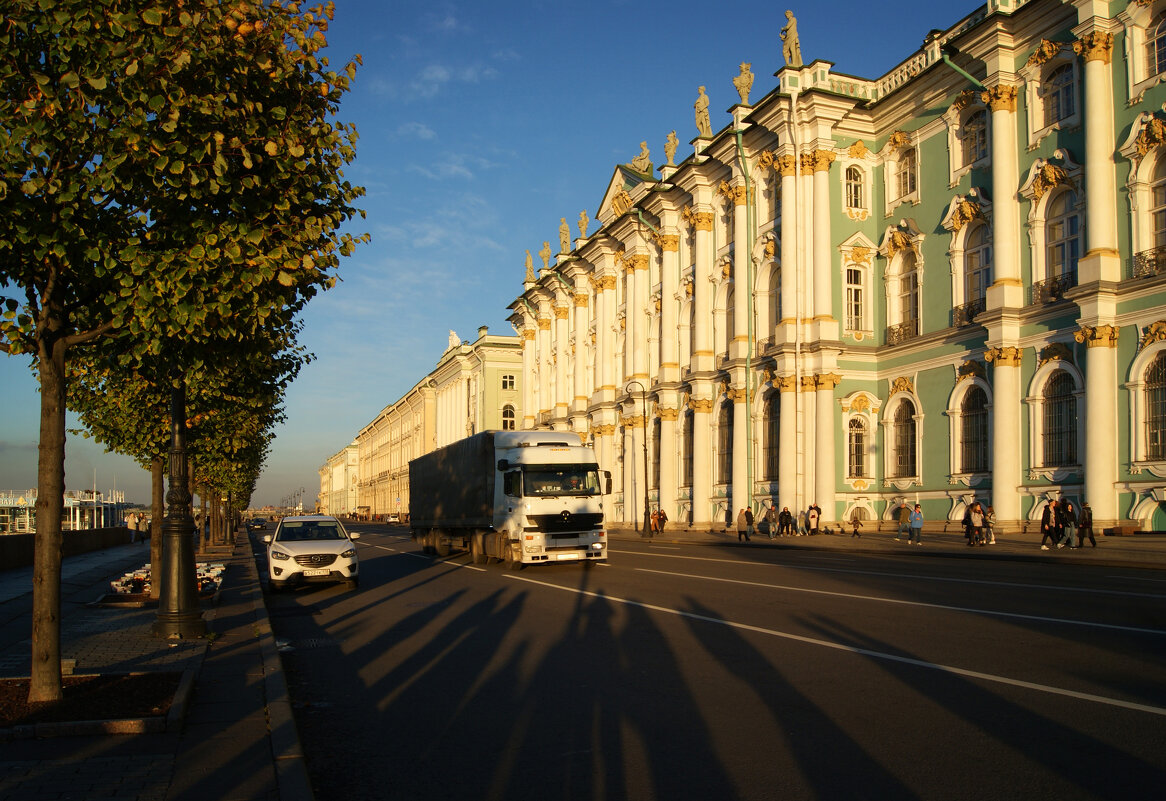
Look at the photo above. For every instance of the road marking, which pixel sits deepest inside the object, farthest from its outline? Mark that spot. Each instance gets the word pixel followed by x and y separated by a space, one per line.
pixel 943 607
pixel 916 576
pixel 972 674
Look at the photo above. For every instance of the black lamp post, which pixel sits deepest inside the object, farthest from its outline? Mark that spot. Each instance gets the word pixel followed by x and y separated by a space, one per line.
pixel 647 531
pixel 178 611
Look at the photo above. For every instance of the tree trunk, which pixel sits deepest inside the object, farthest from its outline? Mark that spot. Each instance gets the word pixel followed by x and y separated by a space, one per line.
pixel 45 683
pixel 157 513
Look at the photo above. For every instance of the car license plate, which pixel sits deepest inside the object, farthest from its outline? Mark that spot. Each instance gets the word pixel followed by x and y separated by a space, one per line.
pixel 317 572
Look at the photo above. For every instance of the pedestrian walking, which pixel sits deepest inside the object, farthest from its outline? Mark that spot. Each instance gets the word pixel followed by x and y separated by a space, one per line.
pixel 990 524
pixel 1068 526
pixel 744 525
pixel 977 517
pixel 916 523
pixel 1048 525
pixel 1085 526
pixel 855 525
pixel 654 521
pixel 771 520
pixel 661 519
pixel 904 521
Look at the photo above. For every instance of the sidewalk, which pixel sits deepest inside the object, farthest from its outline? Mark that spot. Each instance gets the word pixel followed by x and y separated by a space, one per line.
pixel 230 734
pixel 1136 550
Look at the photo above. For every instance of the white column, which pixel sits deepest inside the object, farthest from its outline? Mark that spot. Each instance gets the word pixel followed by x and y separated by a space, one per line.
pixel 742 303
pixel 546 373
pixel 702 355
pixel 789 239
pixel 1006 434
pixel 787 464
pixel 669 462
pixel 824 273
pixel 1101 262
pixel 825 481
pixel 562 392
pixel 741 491
pixel 637 309
pixel 1007 290
pixel 605 363
pixel 1101 418
pixel 702 469
pixel 581 325
pixel 669 305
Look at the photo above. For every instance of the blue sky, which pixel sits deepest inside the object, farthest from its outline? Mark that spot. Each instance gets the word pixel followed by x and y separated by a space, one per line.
pixel 481 124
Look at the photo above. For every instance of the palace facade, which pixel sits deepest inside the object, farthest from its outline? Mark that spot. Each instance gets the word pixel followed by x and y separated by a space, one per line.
pixel 942 285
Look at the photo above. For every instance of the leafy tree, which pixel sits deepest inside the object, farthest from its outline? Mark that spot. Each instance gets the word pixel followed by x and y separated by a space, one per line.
pixel 171 177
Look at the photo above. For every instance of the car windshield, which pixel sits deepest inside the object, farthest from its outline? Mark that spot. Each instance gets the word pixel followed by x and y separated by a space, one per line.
pixel 562 479
pixel 297 531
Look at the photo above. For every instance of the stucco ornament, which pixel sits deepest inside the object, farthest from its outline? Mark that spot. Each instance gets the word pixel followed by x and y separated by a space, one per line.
pixel 744 83
pixel 791 47
pixel 903 384
pixel 703 126
pixel 1153 134
pixel 858 150
pixel 1049 176
pixel 1156 332
pixel 970 369
pixel 1055 352
pixel 1007 356
pixel 965 211
pixel 670 145
pixel 1045 52
pixel 899 140
pixel 1101 336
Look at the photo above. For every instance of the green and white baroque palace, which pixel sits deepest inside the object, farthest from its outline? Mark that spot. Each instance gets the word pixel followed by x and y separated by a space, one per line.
pixel 944 284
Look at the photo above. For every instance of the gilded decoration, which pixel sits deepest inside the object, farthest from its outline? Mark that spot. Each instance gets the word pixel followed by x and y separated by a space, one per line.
pixel 807 163
pixel 858 150
pixel 607 282
pixel 1096 46
pixel 544 323
pixel 699 220
pixel 1153 133
pixel 964 99
pixel 1045 52
pixel 966 211
pixel 770 249
pixel 737 395
pixel 809 384
pixel 786 383
pixel 827 380
pixel 736 193
pixel 970 369
pixel 562 312
pixel 669 415
pixel 822 160
pixel 861 403
pixel 580 299
pixel 1000 98
pixel 638 262
pixel 1047 177
pixel 766 159
pixel 786 165
pixel 903 384
pixel 860 254
pixel 1102 336
pixel 605 430
pixel 899 140
pixel 1055 351
pixel 669 243
pixel 701 405
pixel 528 333
pixel 898 240
pixel 1003 357
pixel 621 202
pixel 1155 333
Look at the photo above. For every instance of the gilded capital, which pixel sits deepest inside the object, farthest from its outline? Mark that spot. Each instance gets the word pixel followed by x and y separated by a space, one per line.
pixel 823 159
pixel 828 380
pixel 607 282
pixel 561 312
pixel 544 323
pixel 1096 46
pixel 699 220
pixel 735 193
pixel 701 405
pixel 1000 98
pixel 785 165
pixel 580 298
pixel 737 395
pixel 807 160
pixel 528 333
pixel 669 243
pixel 638 262
pixel 809 384
pixel 670 415
pixel 1003 357
pixel 786 383
pixel 1102 336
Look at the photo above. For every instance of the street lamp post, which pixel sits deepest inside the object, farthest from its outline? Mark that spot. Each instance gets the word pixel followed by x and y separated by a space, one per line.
pixel 647 531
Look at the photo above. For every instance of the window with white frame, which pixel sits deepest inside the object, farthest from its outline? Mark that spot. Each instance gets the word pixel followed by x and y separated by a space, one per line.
pixel 1156 46
pixel 905 177
pixel 507 382
pixel 854 299
pixel 774 298
pixel 725 443
pixel 977 263
pixel 654 474
pixel 974 137
pixel 1155 394
pixel 856 445
pixel 903 448
pixel 1059 92
pixel 974 431
pixel 508 418
pixel 1059 418
pixel 1063 236
pixel 1158 212
pixel 687 450
pixel 908 290
pixel 772 434
pixel 855 188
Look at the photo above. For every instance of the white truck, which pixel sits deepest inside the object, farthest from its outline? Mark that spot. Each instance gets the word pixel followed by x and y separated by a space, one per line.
pixel 521 497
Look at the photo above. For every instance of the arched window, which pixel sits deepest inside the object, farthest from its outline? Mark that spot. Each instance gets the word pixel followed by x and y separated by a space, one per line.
pixel 1156 46
pixel 906 175
pixel 855 191
pixel 978 259
pixel 1060 421
pixel 856 446
pixel 909 291
pixel 1156 409
pixel 508 418
pixel 725 443
pixel 904 436
pixel 1058 88
pixel 975 137
pixel 974 432
pixel 686 453
pixel 772 434
pixel 1158 212
pixel 1063 236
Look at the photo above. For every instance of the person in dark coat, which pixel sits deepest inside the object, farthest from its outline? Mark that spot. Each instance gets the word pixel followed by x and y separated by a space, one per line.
pixel 1085 526
pixel 1048 525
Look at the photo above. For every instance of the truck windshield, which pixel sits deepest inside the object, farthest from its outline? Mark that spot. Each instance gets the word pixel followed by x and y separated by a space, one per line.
pixel 560 479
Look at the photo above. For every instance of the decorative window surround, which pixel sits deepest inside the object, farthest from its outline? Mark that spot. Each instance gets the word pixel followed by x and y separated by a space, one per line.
pixel 1035 402
pixel 1045 178
pixel 1153 343
pixel 964 110
pixel 902 390
pixel 864 406
pixel 964 214
pixel 1048 57
pixel 900 146
pixel 968 375
pixel 1137 20
pixel 858 253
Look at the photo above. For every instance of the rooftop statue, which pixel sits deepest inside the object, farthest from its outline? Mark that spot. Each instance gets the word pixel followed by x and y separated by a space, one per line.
pixel 670 148
pixel 564 236
pixel 702 115
pixel 744 83
pixel 584 222
pixel 792 48
pixel 643 162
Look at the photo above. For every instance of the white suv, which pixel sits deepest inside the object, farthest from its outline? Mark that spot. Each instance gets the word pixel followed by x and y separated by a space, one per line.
pixel 311 548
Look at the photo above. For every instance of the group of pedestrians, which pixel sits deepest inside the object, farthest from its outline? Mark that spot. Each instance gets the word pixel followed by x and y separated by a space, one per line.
pixel 1061 525
pixel 979 525
pixel 779 524
pixel 911 524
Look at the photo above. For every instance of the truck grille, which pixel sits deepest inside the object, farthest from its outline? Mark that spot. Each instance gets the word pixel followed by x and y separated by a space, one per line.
pixel 316 559
pixel 566 521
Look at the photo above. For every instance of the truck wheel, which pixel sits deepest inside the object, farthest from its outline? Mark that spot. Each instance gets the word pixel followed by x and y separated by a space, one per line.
pixel 477 552
pixel 513 556
pixel 441 545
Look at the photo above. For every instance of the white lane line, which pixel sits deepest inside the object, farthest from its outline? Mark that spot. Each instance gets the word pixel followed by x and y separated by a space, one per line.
pixel 916 576
pixel 972 674
pixel 426 558
pixel 943 607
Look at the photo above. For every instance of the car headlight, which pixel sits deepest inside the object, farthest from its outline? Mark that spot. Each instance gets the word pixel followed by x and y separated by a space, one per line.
pixel 279 555
pixel 351 552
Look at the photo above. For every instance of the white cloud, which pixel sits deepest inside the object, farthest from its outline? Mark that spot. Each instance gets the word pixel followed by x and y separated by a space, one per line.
pixel 416 130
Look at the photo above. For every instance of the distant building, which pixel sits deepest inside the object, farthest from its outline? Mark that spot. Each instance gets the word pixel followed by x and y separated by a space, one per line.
pixel 476 386
pixel 943 285
pixel 83 509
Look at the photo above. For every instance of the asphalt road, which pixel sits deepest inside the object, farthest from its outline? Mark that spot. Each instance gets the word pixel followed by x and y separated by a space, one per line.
pixel 722 672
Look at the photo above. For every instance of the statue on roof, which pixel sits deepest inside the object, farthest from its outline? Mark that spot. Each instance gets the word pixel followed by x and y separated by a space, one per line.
pixel 792 48
pixel 584 223
pixel 564 236
pixel 643 162
pixel 529 268
pixel 545 255
pixel 670 148
pixel 703 126
pixel 744 83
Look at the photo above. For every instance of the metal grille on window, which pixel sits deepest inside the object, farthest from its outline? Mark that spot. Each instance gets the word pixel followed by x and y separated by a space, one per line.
pixel 856 443
pixel 1060 421
pixel 905 440
pixel 1156 409
pixel 725 443
pixel 772 434
pixel 974 432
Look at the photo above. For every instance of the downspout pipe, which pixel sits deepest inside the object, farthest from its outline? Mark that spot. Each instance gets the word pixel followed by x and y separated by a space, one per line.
pixel 946 52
